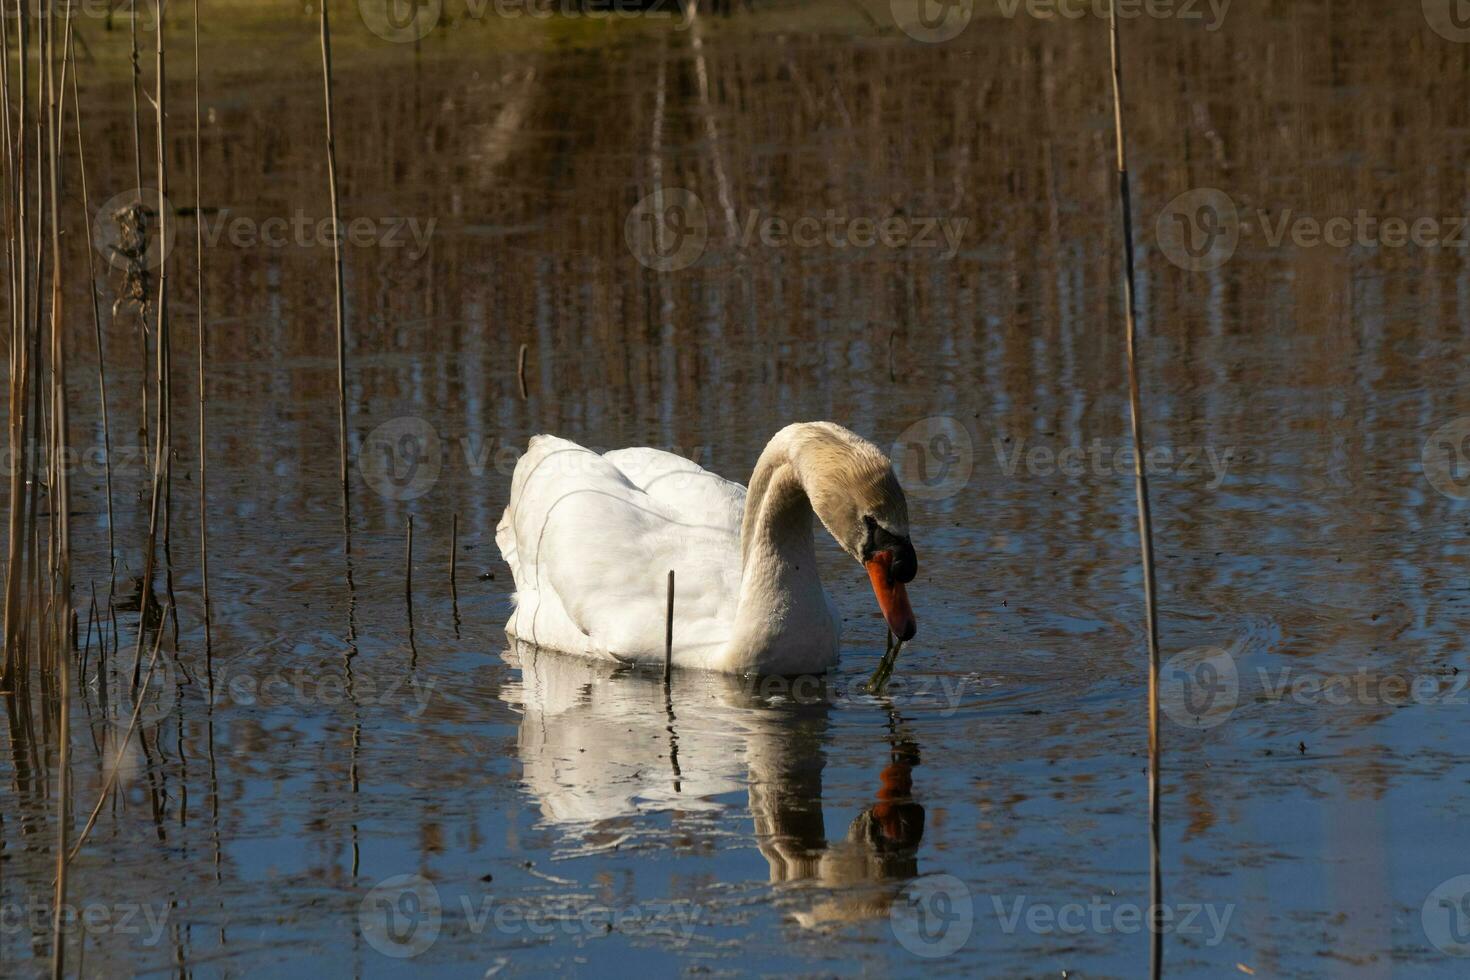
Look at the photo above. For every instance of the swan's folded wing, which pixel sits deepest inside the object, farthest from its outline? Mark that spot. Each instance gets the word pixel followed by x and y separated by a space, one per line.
pixel 682 486
pixel 590 550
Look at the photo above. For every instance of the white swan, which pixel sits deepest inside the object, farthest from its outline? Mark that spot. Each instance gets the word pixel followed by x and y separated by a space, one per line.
pixel 591 538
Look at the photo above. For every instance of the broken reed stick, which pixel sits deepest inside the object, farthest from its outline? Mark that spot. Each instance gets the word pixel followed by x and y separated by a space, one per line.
pixel 1145 519
pixel 669 630
pixel 408 563
pixel 453 553
pixel 521 370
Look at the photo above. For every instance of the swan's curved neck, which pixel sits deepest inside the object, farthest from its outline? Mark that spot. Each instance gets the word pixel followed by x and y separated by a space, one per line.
pixel 778 513
pixel 783 622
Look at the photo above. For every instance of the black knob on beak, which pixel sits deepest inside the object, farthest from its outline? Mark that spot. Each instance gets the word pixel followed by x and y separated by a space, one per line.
pixel 905 563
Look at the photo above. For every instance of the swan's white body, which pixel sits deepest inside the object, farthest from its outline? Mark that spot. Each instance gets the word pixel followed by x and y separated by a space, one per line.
pixel 591 539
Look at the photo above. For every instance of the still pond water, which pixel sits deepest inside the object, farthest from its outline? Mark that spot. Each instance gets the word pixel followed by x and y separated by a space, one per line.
pixel 519 814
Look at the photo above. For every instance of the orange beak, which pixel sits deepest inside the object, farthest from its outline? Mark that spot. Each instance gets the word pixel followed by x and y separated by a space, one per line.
pixel 893 598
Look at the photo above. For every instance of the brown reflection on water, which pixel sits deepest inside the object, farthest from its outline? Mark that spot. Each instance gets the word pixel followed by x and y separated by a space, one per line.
pixel 1320 370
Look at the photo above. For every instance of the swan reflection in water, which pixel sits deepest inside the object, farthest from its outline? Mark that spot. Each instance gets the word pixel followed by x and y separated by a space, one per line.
pixel 598 743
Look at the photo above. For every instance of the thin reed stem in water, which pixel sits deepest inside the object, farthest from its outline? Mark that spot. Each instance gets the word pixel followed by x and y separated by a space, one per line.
pixel 203 334
pixel 96 315
pixel 161 462
pixel 60 489
pixel 326 33
pixel 1145 519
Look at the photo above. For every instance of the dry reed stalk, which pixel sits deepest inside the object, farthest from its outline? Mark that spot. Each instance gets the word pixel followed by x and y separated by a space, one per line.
pixel 96 315
pixel 199 317
pixel 326 33
pixel 60 503
pixel 1145 519
pixel 521 370
pixel 161 462
pixel 60 489
pixel 137 73
pixel 13 673
pixel 63 809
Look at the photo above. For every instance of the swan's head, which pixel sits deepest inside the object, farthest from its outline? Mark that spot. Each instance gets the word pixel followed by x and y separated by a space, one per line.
pixel 854 492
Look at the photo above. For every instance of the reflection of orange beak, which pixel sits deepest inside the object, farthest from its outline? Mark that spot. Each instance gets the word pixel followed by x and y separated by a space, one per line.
pixel 893 598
